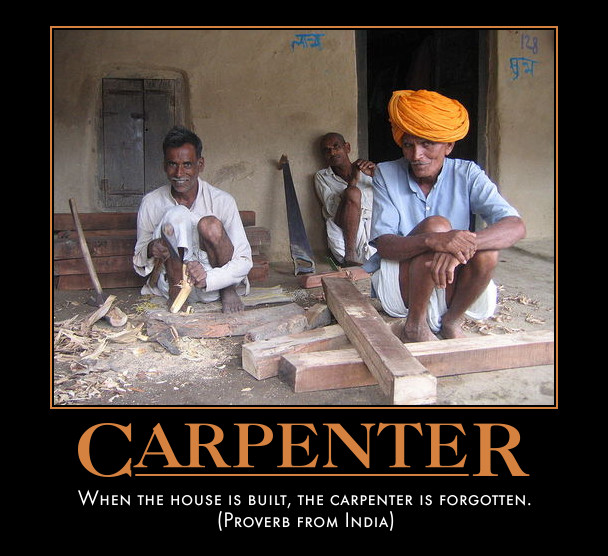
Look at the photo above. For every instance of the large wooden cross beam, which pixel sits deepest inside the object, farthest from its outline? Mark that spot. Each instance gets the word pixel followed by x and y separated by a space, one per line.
pixel 400 375
pixel 340 355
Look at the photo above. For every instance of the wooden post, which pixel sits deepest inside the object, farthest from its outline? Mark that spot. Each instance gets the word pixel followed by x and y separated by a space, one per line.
pixel 400 375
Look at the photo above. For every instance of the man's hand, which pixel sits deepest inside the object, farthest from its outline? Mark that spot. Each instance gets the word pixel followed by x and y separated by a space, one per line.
pixel 158 250
pixel 360 165
pixel 366 166
pixel 442 269
pixel 459 243
pixel 197 275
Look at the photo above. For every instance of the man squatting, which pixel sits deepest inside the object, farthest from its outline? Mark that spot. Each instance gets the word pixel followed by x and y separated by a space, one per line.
pixel 200 223
pixel 429 267
pixel 345 191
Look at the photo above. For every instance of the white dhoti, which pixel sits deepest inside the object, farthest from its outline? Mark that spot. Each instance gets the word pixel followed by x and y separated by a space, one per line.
pixel 385 282
pixel 185 235
pixel 337 245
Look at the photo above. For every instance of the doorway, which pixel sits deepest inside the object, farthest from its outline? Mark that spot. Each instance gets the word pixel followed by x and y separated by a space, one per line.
pixel 449 61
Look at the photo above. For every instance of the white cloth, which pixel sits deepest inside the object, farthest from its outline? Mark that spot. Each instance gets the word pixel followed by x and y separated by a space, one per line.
pixel 384 283
pixel 329 188
pixel 159 206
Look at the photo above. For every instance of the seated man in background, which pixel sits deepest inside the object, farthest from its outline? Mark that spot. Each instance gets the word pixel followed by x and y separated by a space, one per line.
pixel 197 221
pixel 345 191
pixel 432 269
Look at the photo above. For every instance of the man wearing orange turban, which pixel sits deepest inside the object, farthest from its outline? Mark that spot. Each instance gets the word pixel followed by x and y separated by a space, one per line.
pixel 430 268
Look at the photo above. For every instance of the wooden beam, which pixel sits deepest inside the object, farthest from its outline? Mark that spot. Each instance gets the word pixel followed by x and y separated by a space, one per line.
pixel 344 368
pixel 96 221
pixel 400 375
pixel 118 220
pixel 287 325
pixel 314 280
pixel 103 265
pixel 76 282
pixel 325 370
pixel 261 359
pixel 218 325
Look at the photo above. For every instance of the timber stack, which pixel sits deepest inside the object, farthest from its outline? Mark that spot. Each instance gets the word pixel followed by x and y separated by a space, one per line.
pixel 111 238
pixel 362 350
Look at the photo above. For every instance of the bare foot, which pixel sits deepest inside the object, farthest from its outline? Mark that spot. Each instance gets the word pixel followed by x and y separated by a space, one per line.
pixel 231 301
pixel 417 333
pixel 350 259
pixel 452 330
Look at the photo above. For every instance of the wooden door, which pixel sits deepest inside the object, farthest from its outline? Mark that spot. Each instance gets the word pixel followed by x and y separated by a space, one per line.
pixel 137 113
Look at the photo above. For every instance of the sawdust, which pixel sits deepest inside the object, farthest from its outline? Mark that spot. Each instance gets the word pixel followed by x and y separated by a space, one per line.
pixel 108 366
pixel 100 362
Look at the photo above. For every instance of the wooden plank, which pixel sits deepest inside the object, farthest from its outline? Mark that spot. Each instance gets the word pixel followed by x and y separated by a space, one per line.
pixel 314 280
pixel 324 370
pixel 99 246
pixel 76 282
pixel 112 242
pixel 117 272
pixel 103 265
pixel 117 220
pixel 96 221
pixel 261 359
pixel 401 376
pixel 288 325
pixel 122 242
pixel 257 236
pixel 111 239
pixel 218 325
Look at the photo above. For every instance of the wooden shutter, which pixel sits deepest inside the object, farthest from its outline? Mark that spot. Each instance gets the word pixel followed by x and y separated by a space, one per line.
pixel 137 113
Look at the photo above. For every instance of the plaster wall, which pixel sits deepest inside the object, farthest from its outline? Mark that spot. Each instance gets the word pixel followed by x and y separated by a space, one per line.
pixel 522 125
pixel 252 95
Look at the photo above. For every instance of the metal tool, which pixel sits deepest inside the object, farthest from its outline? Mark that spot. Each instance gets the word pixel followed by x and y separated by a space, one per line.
pixel 301 253
pixel 185 286
pixel 158 264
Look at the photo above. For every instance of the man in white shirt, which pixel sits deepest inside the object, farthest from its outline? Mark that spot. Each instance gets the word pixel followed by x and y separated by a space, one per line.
pixel 344 189
pixel 202 224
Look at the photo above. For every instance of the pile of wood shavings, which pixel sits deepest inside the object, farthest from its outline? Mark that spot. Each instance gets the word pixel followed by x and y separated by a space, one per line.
pixel 499 322
pixel 80 347
pixel 97 361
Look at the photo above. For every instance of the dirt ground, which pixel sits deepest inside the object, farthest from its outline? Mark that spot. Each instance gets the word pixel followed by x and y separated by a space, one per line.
pixel 92 369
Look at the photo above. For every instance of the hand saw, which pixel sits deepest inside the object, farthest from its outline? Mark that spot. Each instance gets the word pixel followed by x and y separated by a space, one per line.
pixel 301 253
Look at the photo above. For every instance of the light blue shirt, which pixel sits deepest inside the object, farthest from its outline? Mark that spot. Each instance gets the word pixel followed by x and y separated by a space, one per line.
pixel 462 189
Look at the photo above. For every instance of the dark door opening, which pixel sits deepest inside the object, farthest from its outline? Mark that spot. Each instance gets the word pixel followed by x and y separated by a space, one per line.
pixel 442 60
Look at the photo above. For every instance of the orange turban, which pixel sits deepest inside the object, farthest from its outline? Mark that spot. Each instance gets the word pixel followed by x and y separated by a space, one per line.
pixel 428 115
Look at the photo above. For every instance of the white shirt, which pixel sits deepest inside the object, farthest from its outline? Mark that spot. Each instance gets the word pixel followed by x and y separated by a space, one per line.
pixel 329 188
pixel 209 201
